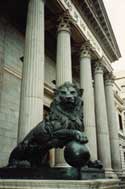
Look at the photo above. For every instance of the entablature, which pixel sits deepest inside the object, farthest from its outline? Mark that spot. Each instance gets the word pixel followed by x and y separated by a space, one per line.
pixel 94 13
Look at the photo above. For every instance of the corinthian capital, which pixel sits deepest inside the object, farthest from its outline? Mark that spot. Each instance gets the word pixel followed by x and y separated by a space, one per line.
pixel 86 50
pixel 64 22
pixel 98 68
pixel 109 78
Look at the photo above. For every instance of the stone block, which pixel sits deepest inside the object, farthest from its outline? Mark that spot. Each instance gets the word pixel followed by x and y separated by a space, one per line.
pixel 59 184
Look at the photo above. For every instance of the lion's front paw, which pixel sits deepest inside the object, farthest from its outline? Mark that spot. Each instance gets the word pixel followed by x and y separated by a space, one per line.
pixel 85 139
pixel 81 137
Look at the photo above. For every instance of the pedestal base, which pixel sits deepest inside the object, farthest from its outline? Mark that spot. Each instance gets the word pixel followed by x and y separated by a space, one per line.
pixel 61 184
pixel 62 173
pixel 109 173
pixel 69 173
pixel 92 173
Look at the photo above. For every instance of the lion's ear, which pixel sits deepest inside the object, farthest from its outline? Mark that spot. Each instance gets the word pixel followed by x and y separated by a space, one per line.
pixel 81 92
pixel 55 91
pixel 54 82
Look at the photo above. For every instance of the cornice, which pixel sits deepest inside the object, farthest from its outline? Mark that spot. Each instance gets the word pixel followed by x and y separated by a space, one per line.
pixel 108 42
pixel 110 38
pixel 109 27
pixel 118 100
pixel 121 135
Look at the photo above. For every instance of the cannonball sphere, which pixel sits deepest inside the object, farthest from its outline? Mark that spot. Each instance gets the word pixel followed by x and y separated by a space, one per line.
pixel 76 154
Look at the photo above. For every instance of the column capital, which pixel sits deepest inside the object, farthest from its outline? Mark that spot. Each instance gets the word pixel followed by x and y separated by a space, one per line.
pixel 98 68
pixel 85 50
pixel 109 78
pixel 64 22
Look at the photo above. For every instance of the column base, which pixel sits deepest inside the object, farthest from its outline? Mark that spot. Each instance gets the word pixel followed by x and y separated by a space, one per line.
pixel 59 159
pixel 123 173
pixel 62 165
pixel 109 173
pixel 118 172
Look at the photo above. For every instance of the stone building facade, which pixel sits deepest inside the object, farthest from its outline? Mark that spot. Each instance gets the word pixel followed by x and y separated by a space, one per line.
pixel 119 93
pixel 62 40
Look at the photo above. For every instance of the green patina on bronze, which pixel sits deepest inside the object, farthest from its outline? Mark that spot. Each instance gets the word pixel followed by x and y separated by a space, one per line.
pixel 62 127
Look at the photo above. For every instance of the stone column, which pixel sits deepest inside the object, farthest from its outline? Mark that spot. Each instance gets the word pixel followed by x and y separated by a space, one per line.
pixel 63 67
pixel 112 123
pixel 31 102
pixel 63 61
pixel 104 151
pixel 88 98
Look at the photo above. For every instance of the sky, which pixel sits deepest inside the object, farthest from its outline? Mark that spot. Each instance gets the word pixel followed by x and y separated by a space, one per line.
pixel 116 13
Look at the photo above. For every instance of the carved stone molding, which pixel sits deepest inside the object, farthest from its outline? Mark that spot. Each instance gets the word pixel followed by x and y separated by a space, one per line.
pixel 64 22
pixel 109 78
pixel 85 50
pixel 98 68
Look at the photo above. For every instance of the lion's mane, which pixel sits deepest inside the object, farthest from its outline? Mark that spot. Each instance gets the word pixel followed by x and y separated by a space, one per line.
pixel 67 118
pixel 63 123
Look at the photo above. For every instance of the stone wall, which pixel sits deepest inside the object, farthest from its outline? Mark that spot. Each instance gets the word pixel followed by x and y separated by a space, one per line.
pixel 11 50
pixel 122 152
pixel 50 73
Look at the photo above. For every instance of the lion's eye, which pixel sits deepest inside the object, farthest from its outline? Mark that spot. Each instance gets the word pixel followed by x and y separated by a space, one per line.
pixel 72 92
pixel 63 92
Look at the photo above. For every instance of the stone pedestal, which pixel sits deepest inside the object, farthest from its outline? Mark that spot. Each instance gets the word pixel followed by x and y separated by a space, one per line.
pixel 31 102
pixel 62 173
pixel 88 98
pixel 62 184
pixel 112 123
pixel 101 120
pixel 63 68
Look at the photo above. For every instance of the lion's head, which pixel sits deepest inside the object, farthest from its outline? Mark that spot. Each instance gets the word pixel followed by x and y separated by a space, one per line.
pixel 68 96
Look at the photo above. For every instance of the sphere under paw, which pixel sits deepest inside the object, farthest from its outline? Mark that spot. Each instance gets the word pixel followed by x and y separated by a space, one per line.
pixel 76 154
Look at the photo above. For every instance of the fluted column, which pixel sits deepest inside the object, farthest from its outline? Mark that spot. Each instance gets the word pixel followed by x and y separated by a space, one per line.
pixel 63 61
pixel 88 98
pixel 31 102
pixel 112 122
pixel 63 67
pixel 104 151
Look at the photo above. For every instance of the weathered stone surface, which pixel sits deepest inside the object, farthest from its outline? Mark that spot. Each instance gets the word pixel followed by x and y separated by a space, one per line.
pixel 49 71
pixel 88 108
pixel 14 48
pixel 31 103
pixel 62 184
pixel 11 49
pixel 9 113
pixel 63 67
pixel 101 118
pixel 112 123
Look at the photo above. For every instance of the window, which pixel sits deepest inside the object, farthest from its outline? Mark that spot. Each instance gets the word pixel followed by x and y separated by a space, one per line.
pixel 124 156
pixel 120 122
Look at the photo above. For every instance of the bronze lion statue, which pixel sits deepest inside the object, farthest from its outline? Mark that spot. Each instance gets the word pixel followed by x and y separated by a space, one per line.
pixel 63 124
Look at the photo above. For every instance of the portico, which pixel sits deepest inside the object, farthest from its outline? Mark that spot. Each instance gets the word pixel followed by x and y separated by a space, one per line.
pixel 60 31
pixel 96 125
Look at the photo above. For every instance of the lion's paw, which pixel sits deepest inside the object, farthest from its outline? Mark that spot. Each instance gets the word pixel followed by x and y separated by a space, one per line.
pixel 81 137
